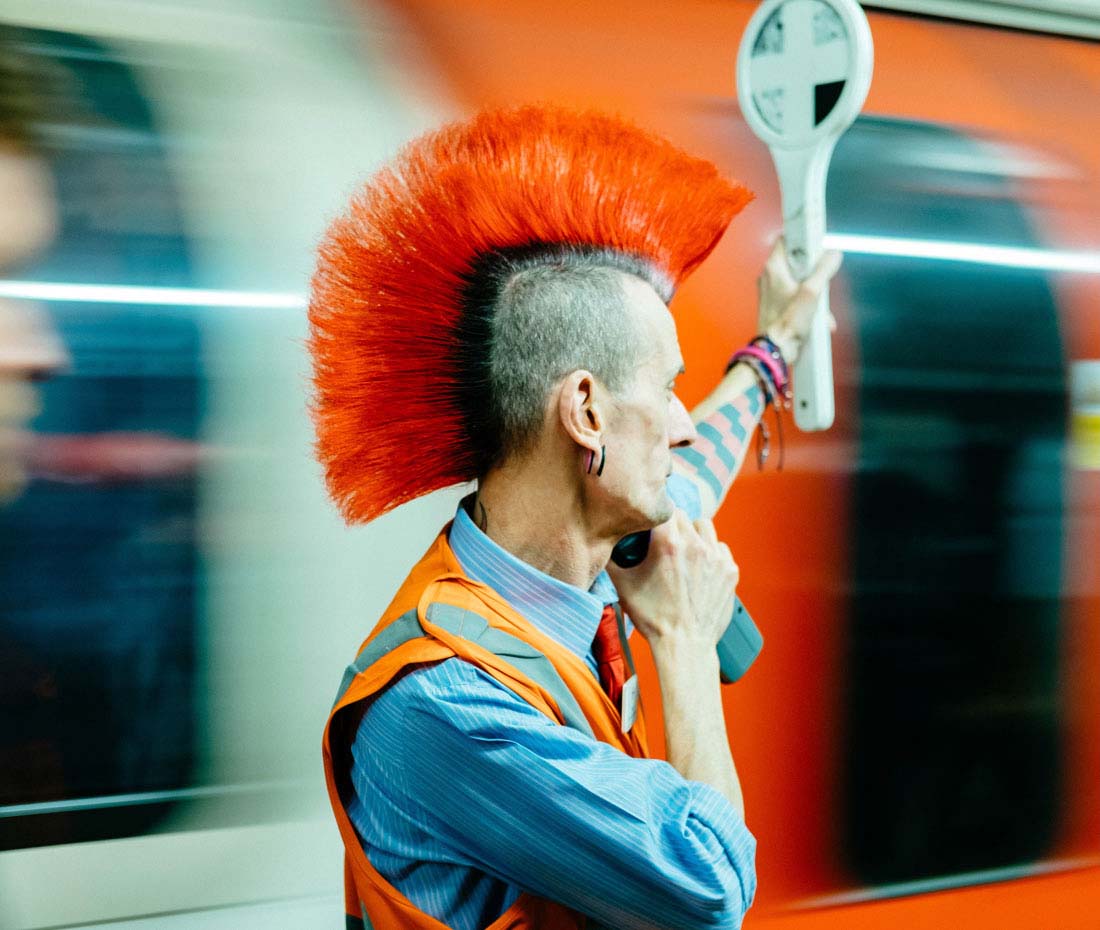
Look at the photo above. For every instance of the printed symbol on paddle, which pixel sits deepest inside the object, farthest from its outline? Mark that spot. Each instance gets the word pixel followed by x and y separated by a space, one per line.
pixel 801 38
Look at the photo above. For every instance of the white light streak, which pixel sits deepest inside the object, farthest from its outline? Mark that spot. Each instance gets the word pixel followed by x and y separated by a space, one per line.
pixel 947 882
pixel 156 296
pixel 145 797
pixel 854 244
pixel 972 252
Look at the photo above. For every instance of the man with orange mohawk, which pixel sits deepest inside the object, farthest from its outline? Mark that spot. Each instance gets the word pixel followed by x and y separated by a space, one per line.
pixel 494 308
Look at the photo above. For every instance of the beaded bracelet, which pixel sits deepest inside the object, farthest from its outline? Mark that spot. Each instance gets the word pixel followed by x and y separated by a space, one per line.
pixel 766 343
pixel 776 372
pixel 763 358
pixel 763 438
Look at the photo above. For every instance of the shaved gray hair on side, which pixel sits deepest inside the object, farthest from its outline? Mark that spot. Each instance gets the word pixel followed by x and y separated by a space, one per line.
pixel 550 311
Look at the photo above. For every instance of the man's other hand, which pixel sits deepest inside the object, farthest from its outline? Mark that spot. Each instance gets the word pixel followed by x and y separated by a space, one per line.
pixel 684 589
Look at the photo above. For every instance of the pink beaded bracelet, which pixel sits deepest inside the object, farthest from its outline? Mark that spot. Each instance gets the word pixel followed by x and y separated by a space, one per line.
pixel 770 368
pixel 773 367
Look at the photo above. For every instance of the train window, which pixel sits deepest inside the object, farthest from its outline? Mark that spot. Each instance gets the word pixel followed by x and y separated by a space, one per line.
pixel 98 571
pixel 953 718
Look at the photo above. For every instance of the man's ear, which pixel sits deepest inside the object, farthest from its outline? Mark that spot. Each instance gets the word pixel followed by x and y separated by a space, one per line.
pixel 579 409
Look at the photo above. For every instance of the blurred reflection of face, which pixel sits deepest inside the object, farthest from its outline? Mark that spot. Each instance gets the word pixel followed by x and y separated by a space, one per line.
pixel 28 348
pixel 28 351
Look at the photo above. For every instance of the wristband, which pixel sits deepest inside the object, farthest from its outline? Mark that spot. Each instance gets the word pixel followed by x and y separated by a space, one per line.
pixel 776 370
pixel 766 362
pixel 769 345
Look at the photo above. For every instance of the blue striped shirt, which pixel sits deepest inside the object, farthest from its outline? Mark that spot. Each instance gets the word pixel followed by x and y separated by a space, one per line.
pixel 465 795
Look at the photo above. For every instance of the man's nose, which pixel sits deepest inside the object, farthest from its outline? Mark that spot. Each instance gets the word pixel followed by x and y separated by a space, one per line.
pixel 681 431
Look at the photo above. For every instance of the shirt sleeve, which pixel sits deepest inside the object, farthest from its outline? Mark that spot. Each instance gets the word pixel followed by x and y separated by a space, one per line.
pixel 555 812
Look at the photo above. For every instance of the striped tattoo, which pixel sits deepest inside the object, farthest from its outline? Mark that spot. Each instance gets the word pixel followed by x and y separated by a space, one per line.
pixel 715 458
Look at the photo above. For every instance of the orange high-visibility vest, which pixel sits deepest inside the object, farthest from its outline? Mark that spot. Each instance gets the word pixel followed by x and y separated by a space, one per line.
pixel 440 613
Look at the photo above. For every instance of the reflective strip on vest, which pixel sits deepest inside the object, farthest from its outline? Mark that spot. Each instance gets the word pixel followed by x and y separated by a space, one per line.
pixel 475 628
pixel 523 656
pixel 404 628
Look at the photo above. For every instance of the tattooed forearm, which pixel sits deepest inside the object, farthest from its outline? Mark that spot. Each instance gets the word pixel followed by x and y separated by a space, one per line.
pixel 716 457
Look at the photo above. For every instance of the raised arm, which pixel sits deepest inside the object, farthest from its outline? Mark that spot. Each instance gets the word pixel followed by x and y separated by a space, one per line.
pixel 727 418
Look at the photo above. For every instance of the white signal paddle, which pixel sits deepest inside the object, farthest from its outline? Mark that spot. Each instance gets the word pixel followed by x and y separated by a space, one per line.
pixel 803 71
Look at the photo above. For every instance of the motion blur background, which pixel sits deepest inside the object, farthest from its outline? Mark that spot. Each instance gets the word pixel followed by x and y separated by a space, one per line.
pixel 178 598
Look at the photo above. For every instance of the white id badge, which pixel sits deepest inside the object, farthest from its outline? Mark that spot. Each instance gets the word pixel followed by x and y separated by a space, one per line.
pixel 630 702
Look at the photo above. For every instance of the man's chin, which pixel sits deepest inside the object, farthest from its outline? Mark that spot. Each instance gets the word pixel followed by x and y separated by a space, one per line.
pixel 650 516
pixel 663 512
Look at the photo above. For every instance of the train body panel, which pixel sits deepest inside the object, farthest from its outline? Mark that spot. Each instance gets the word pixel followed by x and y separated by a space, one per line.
pixel 917 740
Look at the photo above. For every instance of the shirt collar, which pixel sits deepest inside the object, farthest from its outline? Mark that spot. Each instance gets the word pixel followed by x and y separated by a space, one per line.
pixel 564 612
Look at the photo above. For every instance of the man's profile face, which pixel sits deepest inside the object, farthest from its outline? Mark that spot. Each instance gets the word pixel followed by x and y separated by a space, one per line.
pixel 648 420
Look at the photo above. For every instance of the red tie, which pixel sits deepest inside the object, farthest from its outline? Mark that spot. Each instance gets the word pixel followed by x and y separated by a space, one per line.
pixel 609 655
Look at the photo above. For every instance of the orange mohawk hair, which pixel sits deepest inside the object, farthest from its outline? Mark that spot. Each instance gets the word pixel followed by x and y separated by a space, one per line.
pixel 394 340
